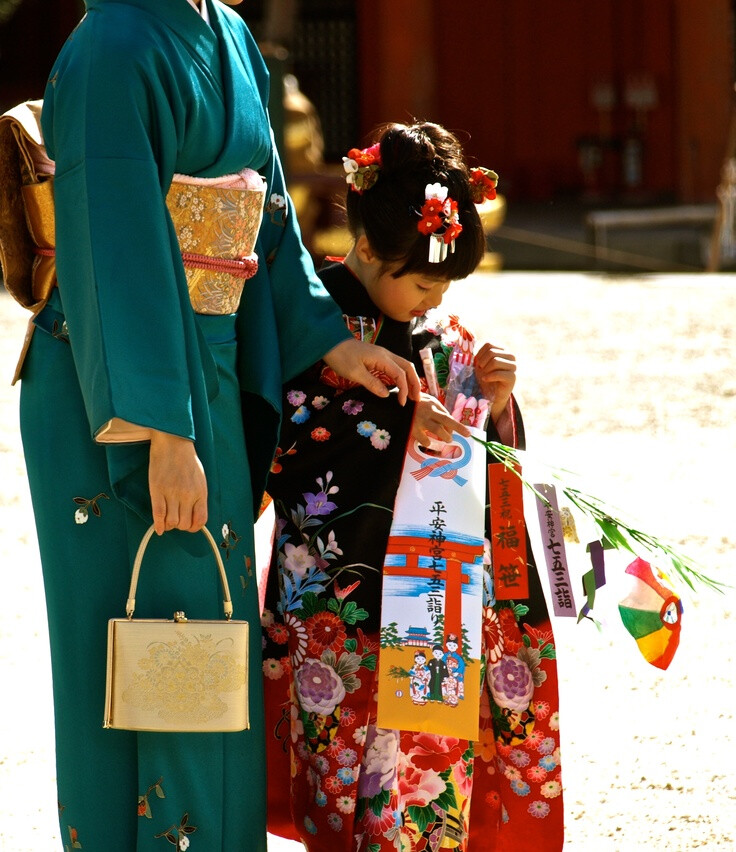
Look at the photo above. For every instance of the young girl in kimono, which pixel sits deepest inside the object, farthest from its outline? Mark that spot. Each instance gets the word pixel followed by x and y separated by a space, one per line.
pixel 337 781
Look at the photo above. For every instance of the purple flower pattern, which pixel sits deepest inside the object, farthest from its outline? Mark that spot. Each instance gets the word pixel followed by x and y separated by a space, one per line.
pixel 511 683
pixel 318 504
pixel 319 687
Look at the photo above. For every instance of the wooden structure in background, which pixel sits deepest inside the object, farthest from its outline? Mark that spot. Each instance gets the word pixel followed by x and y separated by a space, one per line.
pixel 545 91
pixel 523 79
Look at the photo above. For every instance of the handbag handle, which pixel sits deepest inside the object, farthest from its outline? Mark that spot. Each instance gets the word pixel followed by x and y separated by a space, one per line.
pixel 130 604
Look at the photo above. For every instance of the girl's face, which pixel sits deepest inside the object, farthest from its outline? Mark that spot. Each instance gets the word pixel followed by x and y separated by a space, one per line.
pixel 407 297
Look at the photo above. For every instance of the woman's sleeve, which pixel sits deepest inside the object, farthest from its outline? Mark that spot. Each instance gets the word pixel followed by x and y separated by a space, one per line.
pixel 110 128
pixel 308 320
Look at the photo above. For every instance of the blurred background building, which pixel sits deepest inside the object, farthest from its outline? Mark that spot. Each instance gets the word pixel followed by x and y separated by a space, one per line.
pixel 619 107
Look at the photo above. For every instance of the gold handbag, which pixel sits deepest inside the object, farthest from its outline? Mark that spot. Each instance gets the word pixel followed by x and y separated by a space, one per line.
pixel 178 675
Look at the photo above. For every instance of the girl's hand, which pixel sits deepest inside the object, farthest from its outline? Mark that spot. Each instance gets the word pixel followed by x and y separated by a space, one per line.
pixel 495 370
pixel 433 422
pixel 177 484
pixel 358 361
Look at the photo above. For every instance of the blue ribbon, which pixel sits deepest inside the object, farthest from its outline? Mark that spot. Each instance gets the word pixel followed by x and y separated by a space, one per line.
pixel 451 464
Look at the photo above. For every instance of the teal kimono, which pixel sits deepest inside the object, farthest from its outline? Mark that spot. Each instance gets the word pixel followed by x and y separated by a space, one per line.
pixel 144 89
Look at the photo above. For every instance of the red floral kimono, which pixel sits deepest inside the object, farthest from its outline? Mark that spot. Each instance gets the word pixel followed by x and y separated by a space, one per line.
pixel 336 780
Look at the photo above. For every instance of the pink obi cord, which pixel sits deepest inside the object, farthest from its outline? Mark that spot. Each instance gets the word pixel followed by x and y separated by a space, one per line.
pixel 238 267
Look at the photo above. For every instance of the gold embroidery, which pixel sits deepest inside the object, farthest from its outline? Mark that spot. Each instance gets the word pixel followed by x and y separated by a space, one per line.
pixel 184 678
pixel 215 222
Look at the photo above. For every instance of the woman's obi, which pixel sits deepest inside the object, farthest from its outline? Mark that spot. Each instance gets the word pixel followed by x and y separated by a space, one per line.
pixel 216 222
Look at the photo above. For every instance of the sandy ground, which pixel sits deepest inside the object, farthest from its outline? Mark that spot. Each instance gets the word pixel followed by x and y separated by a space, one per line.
pixel 631 381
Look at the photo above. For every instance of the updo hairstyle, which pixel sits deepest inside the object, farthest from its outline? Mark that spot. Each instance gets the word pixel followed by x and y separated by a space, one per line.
pixel 388 213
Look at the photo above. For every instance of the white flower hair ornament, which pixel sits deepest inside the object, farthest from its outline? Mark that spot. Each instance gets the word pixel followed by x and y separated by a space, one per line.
pixel 361 167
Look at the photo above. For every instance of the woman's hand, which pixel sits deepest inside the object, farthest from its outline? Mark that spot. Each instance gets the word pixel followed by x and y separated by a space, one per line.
pixel 177 484
pixel 433 422
pixel 360 362
pixel 495 370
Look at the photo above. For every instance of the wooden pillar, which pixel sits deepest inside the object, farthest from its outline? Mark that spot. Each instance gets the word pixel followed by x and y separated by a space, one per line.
pixel 704 87
pixel 397 63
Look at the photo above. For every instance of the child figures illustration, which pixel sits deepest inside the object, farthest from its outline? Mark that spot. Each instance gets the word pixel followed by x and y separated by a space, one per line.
pixel 419 679
pixel 437 673
pixel 452 685
pixel 337 780
pixel 451 653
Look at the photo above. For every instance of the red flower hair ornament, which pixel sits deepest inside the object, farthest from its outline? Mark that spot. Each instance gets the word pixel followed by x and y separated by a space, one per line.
pixel 361 167
pixel 483 183
pixel 440 221
pixel 439 218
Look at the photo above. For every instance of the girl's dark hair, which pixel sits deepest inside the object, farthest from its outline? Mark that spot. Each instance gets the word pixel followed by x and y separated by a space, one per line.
pixel 388 213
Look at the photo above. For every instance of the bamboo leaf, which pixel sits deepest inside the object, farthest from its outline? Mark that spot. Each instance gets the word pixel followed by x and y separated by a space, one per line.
pixel 616 533
pixel 613 534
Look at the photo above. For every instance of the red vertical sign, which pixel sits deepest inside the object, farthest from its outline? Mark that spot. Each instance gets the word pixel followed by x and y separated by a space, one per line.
pixel 508 533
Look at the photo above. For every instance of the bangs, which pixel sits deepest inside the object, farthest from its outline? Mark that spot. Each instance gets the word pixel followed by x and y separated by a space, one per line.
pixel 470 247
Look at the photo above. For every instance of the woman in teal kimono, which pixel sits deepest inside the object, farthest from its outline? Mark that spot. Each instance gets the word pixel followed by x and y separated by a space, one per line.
pixel 131 401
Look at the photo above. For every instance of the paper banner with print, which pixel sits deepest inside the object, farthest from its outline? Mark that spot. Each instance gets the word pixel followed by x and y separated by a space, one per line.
pixel 555 555
pixel 508 533
pixel 431 609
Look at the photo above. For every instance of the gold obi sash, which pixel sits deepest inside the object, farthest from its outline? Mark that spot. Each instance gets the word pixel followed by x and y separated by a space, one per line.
pixel 216 222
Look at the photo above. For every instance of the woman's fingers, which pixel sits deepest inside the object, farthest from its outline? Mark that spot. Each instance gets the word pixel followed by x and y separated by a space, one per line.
pixel 177 484
pixel 158 507
pixel 404 375
pixel 374 367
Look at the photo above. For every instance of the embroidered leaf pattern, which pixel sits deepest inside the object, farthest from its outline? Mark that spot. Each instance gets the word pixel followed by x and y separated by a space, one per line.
pixel 74 838
pixel 81 515
pixel 177 834
pixel 144 805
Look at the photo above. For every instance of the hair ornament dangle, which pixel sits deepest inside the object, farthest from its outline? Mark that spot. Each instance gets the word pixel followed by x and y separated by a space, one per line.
pixel 483 183
pixel 440 221
pixel 361 167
